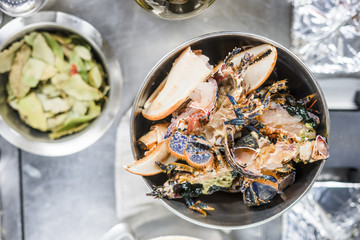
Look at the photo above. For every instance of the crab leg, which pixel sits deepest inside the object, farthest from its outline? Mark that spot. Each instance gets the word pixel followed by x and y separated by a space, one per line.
pixel 198 206
pixel 306 99
pixel 266 100
pixel 169 168
pixel 237 110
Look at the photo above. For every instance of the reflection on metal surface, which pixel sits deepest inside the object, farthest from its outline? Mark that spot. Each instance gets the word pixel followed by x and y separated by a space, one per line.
pixel 340 93
pixel 325 33
pixel 156 221
pixel 335 184
pixel 10 193
pixel 175 9
pixel 121 231
pixel 331 210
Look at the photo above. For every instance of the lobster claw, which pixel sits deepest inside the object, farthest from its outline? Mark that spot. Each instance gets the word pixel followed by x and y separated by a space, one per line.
pixel 263 59
pixel 187 72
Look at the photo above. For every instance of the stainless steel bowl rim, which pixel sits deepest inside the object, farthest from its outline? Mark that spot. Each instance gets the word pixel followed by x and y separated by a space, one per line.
pixel 78 141
pixel 245 35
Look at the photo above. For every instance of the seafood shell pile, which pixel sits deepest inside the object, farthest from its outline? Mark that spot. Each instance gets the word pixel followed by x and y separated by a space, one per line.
pixel 234 127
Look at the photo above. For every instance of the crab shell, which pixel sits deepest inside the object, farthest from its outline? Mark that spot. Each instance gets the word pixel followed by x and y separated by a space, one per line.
pixel 186 148
pixel 155 93
pixel 258 193
pixel 314 150
pixel 177 146
pixel 261 190
pixel 263 62
pixel 188 71
pixel 154 136
pixel 147 165
pixel 320 149
pixel 244 155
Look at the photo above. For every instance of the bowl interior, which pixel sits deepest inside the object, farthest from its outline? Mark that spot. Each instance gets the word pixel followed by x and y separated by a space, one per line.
pixel 11 117
pixel 230 212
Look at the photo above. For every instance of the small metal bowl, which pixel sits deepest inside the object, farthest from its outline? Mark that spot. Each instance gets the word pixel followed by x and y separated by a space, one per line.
pixel 14 130
pixel 230 211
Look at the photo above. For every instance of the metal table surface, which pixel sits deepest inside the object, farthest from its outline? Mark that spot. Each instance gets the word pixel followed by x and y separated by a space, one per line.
pixel 73 197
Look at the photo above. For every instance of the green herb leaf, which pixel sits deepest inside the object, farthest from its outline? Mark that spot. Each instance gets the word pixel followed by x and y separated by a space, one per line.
pixel 299 110
pixel 76 123
pixel 31 112
pixel 7 56
pixel 19 87
pixel 95 78
pixel 29 39
pixel 83 52
pixel 77 88
pixel 42 51
pixel 32 72
pixel 55 46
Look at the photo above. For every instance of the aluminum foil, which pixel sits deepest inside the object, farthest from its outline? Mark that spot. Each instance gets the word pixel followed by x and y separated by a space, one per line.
pixel 326 213
pixel 326 35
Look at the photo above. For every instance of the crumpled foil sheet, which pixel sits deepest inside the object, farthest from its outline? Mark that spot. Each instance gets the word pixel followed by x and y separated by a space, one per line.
pixel 325 214
pixel 326 35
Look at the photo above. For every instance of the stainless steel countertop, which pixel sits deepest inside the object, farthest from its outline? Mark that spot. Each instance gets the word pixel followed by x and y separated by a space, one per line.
pixel 73 197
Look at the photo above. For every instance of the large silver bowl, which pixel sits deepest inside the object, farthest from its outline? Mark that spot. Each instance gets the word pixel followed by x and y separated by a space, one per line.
pixel 230 211
pixel 11 126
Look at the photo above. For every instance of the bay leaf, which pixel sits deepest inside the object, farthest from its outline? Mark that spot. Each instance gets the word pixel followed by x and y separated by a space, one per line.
pixel 80 90
pixel 83 52
pixel 16 84
pixel 54 45
pixel 49 72
pixel 7 56
pixel 95 78
pixel 29 38
pixel 31 112
pixel 32 72
pixel 42 51
pixel 75 123
pixel 54 105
